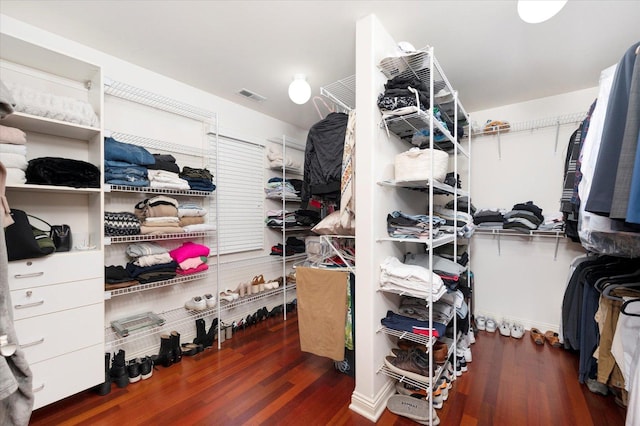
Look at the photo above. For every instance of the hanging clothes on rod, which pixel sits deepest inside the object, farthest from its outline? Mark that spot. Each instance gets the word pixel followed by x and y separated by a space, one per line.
pixel 607 173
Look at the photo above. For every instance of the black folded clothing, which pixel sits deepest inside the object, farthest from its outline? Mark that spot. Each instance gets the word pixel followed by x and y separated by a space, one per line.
pixel 296 244
pixel 277 251
pixel 62 172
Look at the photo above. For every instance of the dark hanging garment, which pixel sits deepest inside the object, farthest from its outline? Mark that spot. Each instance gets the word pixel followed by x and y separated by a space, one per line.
pixel 605 174
pixel 323 157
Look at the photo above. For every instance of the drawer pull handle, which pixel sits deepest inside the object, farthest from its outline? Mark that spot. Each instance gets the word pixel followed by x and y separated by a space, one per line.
pixel 29 305
pixel 32 275
pixel 37 342
pixel 38 389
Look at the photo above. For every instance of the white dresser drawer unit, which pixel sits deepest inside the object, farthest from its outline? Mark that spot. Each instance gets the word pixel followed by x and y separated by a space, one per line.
pixel 59 377
pixel 51 335
pixel 34 301
pixel 56 268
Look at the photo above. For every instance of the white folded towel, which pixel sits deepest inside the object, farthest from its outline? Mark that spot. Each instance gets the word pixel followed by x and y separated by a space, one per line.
pixel 14 160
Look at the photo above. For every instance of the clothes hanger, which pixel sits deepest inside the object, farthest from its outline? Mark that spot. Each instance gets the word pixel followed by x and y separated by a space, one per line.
pixel 630 274
pixel 318 99
pixel 626 304
pixel 628 285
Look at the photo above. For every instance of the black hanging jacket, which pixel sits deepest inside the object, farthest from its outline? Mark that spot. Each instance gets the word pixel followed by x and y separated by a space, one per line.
pixel 323 157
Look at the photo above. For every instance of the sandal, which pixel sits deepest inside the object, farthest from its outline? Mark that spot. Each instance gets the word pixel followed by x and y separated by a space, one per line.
pixel 257 284
pixel 537 336
pixel 552 338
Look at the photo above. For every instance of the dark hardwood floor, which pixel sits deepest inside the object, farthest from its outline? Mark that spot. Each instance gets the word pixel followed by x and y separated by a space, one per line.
pixel 260 376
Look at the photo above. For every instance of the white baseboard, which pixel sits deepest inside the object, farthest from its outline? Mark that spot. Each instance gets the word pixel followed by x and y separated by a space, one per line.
pixel 372 408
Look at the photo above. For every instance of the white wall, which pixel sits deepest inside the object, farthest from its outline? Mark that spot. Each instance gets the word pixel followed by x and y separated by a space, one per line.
pixel 523 282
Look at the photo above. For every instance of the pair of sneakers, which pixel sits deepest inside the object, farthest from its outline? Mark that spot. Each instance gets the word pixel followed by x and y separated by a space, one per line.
pixel 201 303
pixel 514 330
pixel 486 323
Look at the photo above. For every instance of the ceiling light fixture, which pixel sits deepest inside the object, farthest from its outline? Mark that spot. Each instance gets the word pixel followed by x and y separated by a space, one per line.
pixel 299 89
pixel 537 11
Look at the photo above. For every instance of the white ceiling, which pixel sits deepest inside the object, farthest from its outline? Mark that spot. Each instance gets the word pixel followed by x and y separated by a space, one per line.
pixel 488 54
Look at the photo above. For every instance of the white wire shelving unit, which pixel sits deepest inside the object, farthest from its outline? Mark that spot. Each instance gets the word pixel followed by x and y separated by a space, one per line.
pixel 424 66
pixel 204 156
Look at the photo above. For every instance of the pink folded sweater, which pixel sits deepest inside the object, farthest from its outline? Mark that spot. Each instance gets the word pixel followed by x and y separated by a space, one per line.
pixel 187 250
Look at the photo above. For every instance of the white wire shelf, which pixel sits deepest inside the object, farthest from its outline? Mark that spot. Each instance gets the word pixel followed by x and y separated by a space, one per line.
pixel 224 305
pixel 531 125
pixel 533 233
pixel 404 126
pixel 288 169
pixel 155 144
pixel 294 257
pixel 428 341
pixel 417 65
pixel 141 96
pixel 156 237
pixel 108 294
pixel 148 190
pixel 341 92
pixel 415 383
pixel 432 243
pixel 286 199
pixel 291 228
pixel 172 319
pixel 423 185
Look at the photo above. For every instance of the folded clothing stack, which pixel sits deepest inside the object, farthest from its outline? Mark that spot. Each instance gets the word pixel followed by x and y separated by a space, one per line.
pixel 523 217
pixel 489 218
pixel 398 96
pixel 57 107
pixel 402 225
pixel 198 179
pixel 121 224
pixel 158 215
pixel 13 154
pixel 150 262
pixel 191 258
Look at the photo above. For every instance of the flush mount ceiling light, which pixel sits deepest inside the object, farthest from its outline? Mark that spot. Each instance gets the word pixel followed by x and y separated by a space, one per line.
pixel 536 11
pixel 299 89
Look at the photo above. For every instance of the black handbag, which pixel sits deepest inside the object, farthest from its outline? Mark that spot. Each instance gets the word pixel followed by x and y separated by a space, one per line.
pixel 25 241
pixel 61 236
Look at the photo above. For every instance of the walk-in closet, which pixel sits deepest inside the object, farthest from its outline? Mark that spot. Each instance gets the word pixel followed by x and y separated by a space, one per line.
pixel 322 213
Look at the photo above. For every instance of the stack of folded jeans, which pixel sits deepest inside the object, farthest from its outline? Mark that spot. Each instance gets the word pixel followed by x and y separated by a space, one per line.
pixel 403 323
pixel 126 164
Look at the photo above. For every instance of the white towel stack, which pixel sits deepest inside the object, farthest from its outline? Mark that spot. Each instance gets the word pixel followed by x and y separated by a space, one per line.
pixel 13 154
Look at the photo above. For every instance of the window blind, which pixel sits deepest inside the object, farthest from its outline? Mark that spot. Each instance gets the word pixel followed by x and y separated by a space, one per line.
pixel 240 195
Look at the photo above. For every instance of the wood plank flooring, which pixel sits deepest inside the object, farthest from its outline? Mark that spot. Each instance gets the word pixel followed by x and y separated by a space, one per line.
pixel 260 377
